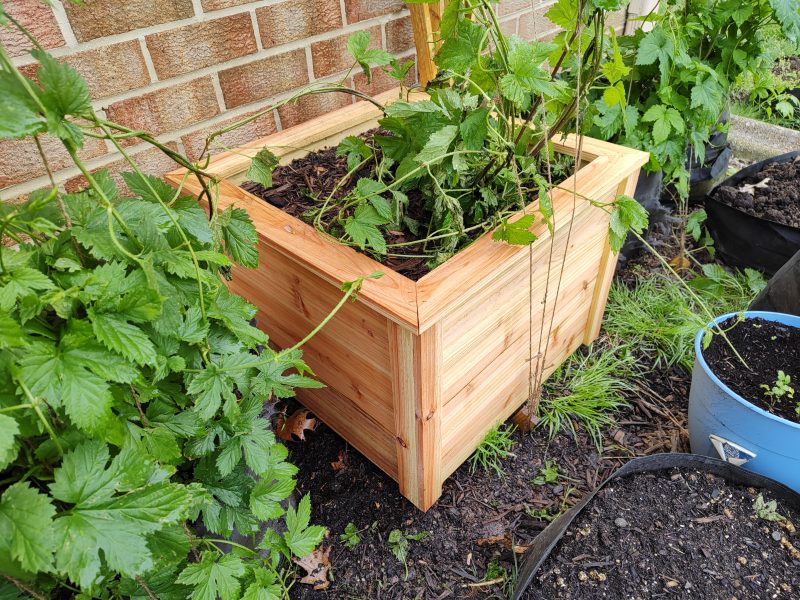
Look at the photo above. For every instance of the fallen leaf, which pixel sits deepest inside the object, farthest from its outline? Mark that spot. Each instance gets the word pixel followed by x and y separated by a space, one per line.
pixel 340 463
pixel 503 540
pixel 680 263
pixel 317 566
pixel 293 428
pixel 749 188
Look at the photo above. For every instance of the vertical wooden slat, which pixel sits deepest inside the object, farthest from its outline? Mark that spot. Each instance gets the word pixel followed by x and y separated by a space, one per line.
pixel 425 20
pixel 416 362
pixel 605 274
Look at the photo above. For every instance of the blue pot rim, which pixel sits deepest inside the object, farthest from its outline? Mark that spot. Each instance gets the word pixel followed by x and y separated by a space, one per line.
pixel 785 319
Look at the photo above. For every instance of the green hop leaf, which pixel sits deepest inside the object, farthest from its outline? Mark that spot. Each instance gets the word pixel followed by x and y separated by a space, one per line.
pixel 262 166
pixel 26 527
pixel 214 577
pixel 627 215
pixel 516 233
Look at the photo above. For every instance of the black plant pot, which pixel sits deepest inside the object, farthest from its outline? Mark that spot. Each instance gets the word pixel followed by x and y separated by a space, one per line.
pixel 546 541
pixel 648 193
pixel 782 293
pixel 743 240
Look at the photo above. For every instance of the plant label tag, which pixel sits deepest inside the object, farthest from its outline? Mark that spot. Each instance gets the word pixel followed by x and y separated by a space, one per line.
pixel 730 452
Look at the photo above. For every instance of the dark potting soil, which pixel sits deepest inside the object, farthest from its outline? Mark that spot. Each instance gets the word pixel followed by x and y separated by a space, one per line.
pixel 300 186
pixel 479 514
pixel 673 534
pixel 766 347
pixel 303 184
pixel 774 195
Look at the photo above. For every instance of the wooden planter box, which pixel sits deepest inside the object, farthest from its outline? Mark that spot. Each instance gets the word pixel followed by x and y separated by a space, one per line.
pixel 418 372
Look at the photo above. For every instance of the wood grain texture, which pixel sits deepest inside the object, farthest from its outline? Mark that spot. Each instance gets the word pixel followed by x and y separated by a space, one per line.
pixel 393 295
pixel 479 265
pixel 346 418
pixel 607 265
pixel 511 308
pixel 425 22
pixel 351 354
pixel 416 365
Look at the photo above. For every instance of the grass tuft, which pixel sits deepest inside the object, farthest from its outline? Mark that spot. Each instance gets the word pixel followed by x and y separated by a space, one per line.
pixel 496 446
pixel 659 318
pixel 588 389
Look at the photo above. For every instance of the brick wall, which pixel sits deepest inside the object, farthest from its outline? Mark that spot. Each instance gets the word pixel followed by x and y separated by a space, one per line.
pixel 184 68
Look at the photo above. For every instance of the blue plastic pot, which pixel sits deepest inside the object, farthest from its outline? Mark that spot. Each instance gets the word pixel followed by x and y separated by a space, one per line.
pixel 723 424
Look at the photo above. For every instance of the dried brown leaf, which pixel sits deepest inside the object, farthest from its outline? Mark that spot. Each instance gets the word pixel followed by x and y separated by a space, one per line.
pixel 317 566
pixel 293 428
pixel 340 463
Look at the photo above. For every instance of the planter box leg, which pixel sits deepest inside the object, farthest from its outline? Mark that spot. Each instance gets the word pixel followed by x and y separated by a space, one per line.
pixel 605 275
pixel 415 361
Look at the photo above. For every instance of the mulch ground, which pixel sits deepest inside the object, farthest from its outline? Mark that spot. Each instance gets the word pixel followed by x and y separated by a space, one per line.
pixel 482 521
pixel 674 534
pixel 771 194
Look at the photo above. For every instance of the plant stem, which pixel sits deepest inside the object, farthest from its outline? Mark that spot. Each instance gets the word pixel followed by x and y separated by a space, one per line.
pixel 45 422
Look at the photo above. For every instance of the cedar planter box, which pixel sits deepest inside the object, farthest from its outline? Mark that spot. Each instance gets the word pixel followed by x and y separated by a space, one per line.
pixel 418 372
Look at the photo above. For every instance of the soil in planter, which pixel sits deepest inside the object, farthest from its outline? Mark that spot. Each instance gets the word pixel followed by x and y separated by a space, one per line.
pixel 673 534
pixel 766 347
pixel 779 198
pixel 300 186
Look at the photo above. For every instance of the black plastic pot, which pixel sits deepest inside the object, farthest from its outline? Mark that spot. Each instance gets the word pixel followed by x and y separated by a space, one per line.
pixel 648 193
pixel 743 240
pixel 546 541
pixel 782 293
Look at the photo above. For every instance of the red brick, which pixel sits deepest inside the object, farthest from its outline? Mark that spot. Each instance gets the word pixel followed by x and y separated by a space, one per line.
pixel 359 10
pixel 201 45
pixel 263 78
pixel 297 19
pixel 195 141
pixel 381 81
pixel 108 70
pixel 167 109
pixel 99 18
pixel 218 4
pixel 509 26
pixel 37 18
pixel 20 160
pixel 506 7
pixel 151 161
pixel 535 25
pixel 312 106
pixel 331 56
pixel 399 35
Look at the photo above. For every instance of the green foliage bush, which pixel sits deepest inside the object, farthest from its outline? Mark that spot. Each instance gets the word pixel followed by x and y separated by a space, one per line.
pixel 478 149
pixel 133 384
pixel 667 87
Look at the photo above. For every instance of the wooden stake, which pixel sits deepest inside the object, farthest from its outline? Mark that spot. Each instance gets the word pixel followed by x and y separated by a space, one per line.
pixel 425 22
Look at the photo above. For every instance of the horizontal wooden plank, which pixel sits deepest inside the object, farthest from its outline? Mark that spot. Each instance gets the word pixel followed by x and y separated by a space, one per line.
pixel 478 265
pixel 467 364
pixel 495 393
pixel 350 354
